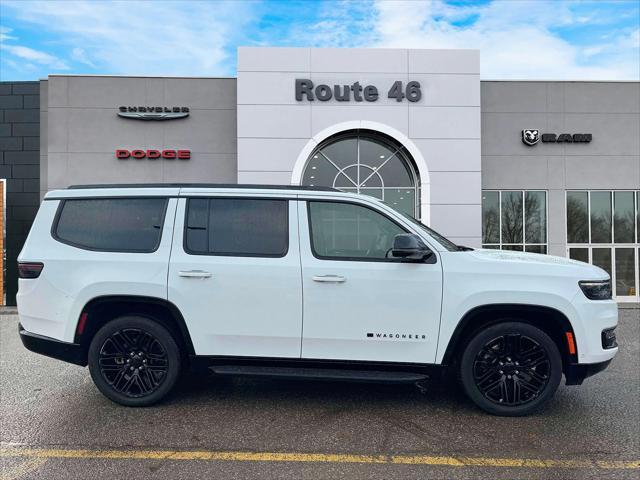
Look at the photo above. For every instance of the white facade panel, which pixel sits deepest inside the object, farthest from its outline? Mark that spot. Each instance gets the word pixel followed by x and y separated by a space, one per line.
pixel 455 188
pixel 451 154
pixel 265 88
pixel 273 154
pixel 455 220
pixel 274 121
pixel 441 129
pixel 449 90
pixel 325 116
pixel 444 122
pixel 262 177
pixel 358 60
pixel 444 61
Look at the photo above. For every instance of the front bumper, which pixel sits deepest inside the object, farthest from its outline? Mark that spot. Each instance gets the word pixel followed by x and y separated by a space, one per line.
pixel 67 352
pixel 575 373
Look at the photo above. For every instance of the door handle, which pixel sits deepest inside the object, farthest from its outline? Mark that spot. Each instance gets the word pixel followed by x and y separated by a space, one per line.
pixel 329 279
pixel 194 273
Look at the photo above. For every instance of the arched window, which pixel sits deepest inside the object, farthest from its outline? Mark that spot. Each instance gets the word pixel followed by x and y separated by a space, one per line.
pixel 369 163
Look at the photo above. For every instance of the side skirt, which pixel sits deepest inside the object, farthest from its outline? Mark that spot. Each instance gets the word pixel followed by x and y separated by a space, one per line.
pixel 334 370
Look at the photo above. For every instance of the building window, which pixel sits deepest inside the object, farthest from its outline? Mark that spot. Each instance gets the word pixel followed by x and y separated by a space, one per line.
pixel 515 220
pixel 369 163
pixel 603 228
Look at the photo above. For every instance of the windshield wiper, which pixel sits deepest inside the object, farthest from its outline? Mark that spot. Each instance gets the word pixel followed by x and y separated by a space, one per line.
pixel 462 248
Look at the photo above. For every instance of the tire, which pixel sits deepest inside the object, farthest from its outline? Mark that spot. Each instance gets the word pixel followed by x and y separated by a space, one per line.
pixel 527 378
pixel 134 361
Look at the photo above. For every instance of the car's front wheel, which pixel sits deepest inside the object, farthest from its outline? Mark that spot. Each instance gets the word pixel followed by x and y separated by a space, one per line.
pixel 134 361
pixel 511 368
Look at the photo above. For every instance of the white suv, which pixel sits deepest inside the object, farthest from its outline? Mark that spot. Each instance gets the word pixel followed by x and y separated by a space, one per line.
pixel 140 281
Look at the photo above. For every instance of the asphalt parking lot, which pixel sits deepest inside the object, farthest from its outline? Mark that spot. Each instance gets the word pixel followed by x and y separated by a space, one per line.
pixel 55 424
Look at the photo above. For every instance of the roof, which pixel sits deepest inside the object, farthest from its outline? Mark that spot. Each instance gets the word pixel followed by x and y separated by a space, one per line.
pixel 203 185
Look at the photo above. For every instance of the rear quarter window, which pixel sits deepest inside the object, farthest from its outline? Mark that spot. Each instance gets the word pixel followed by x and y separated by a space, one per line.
pixel 111 224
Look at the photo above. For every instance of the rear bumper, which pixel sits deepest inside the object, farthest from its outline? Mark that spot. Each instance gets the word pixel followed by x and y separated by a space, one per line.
pixel 67 352
pixel 577 372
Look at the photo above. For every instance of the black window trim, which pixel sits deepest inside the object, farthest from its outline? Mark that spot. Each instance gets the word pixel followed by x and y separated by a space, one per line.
pixel 235 197
pixel 432 259
pixel 54 226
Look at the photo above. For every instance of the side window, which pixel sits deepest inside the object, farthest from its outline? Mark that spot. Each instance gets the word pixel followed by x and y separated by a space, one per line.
pixel 111 224
pixel 349 231
pixel 237 227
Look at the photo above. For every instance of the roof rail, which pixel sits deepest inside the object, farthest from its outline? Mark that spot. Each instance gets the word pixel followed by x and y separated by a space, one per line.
pixel 203 185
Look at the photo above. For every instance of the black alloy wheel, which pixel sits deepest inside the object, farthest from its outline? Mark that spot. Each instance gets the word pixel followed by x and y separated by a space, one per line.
pixel 511 368
pixel 134 361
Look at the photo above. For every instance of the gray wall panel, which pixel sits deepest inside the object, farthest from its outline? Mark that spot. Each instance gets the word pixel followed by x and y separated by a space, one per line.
pixel 602 97
pixel 84 130
pixel 610 111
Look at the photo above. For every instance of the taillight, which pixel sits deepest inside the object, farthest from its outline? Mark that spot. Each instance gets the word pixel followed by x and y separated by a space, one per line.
pixel 30 269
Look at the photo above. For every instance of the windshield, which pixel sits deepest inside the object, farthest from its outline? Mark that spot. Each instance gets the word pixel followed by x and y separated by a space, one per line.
pixel 446 243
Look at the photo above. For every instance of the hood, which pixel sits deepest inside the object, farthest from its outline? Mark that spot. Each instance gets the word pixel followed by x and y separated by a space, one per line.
pixel 536 259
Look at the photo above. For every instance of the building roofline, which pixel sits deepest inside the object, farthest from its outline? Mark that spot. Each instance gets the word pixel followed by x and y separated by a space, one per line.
pixel 556 80
pixel 180 77
pixel 135 76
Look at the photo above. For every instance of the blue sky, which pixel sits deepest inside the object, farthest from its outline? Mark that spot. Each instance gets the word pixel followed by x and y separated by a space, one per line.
pixel 518 39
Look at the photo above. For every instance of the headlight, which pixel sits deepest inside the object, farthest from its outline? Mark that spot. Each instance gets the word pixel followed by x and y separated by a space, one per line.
pixel 596 290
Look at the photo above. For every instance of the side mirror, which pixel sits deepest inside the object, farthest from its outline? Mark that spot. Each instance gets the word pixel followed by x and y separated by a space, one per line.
pixel 410 247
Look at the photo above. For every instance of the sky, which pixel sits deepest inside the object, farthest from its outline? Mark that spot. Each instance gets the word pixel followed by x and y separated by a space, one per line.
pixel 517 39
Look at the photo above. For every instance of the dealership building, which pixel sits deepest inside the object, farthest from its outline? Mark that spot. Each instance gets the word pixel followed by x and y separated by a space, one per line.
pixel 549 167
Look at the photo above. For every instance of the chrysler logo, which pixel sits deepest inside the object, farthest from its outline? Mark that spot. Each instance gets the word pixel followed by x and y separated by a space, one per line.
pixel 153 113
pixel 530 137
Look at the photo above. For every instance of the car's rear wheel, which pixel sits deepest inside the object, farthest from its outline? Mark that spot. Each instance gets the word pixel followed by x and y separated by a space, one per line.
pixel 134 361
pixel 510 368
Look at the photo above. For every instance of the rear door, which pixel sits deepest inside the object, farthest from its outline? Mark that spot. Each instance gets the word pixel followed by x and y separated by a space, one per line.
pixel 235 275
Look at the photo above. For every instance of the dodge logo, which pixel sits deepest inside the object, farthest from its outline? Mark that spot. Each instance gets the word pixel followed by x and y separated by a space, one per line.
pixel 530 137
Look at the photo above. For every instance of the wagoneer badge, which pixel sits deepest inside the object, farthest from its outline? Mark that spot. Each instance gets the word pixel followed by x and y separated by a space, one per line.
pixel 153 113
pixel 396 336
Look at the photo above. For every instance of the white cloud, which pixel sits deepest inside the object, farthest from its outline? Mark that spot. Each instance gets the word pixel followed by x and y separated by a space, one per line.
pixel 4 34
pixel 21 58
pixel 79 55
pixel 515 39
pixel 35 56
pixel 133 37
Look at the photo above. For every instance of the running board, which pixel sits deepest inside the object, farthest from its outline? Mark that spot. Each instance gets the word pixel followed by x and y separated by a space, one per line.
pixel 320 373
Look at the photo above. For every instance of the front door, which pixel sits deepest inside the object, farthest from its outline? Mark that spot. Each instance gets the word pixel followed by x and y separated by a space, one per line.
pixel 235 275
pixel 360 304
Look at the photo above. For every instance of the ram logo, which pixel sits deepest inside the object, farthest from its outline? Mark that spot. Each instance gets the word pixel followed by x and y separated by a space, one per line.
pixel 530 137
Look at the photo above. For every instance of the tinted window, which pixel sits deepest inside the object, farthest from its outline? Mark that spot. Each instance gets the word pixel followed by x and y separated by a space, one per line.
pixel 623 221
pixel 577 217
pixel 113 225
pixel 490 217
pixel 535 218
pixel 600 217
pixel 344 230
pixel 512 214
pixel 237 227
